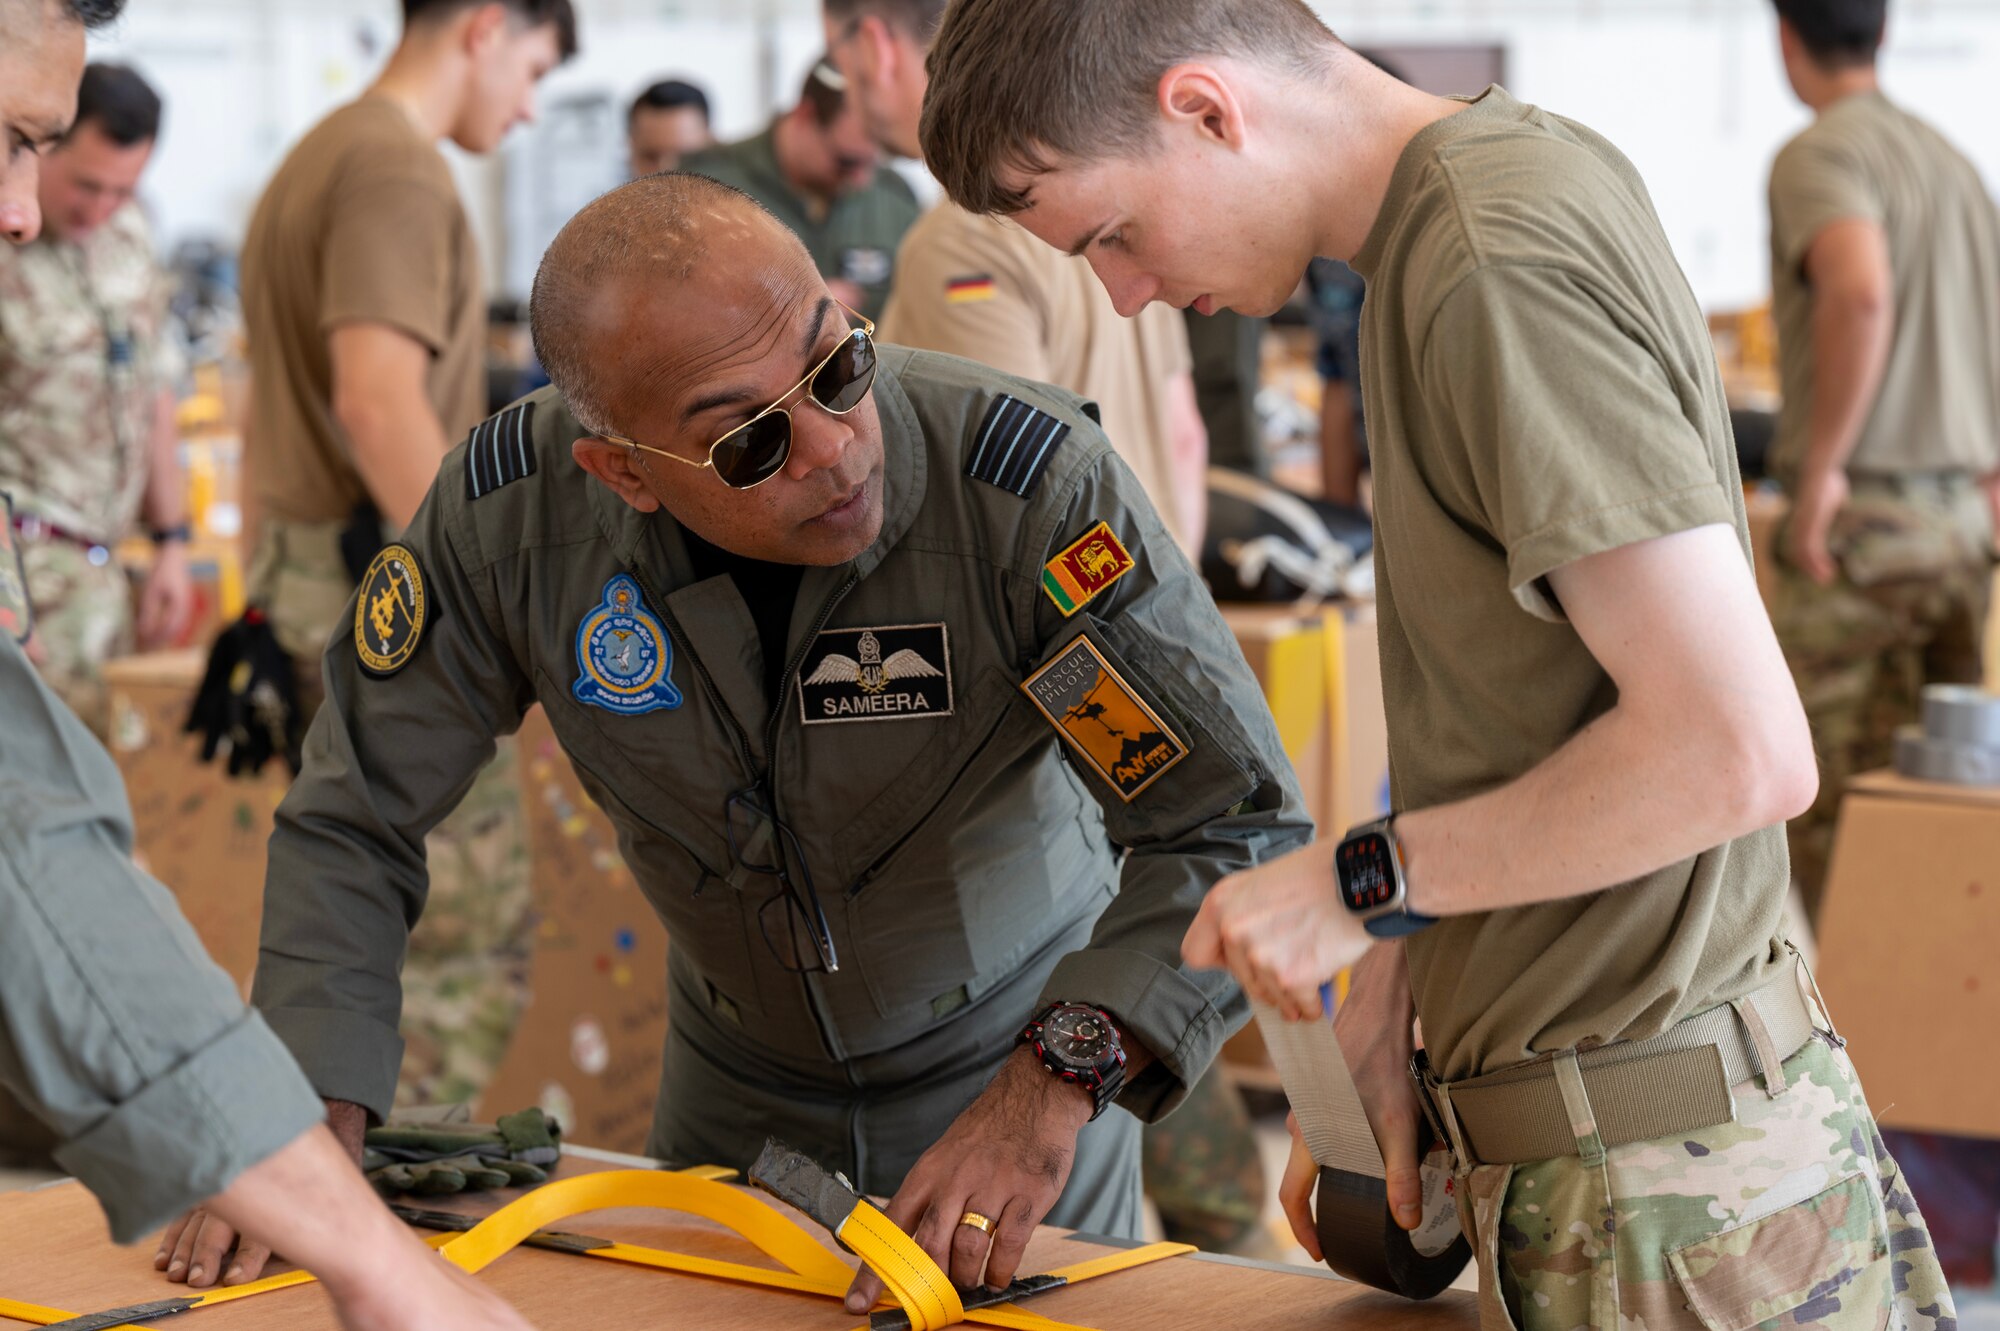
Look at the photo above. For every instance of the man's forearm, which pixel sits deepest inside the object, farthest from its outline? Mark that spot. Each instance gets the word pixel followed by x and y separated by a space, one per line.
pixel 166 487
pixel 1851 335
pixel 398 443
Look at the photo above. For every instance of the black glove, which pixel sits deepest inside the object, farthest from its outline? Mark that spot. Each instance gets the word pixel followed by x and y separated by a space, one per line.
pixel 249 698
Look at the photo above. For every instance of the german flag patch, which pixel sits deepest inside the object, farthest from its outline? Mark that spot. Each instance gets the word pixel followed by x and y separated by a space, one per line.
pixel 1085 568
pixel 969 289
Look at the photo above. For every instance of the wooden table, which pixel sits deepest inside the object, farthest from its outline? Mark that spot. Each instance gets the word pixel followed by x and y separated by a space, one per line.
pixel 54 1252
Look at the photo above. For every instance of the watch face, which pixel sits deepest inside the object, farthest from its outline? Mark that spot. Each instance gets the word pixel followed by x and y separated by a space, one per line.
pixel 1078 1036
pixel 1366 871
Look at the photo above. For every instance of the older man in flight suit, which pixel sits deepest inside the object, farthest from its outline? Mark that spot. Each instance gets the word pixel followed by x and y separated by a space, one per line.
pixel 922 764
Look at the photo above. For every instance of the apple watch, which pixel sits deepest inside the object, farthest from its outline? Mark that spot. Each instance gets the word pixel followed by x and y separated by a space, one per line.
pixel 1079 1043
pixel 1368 866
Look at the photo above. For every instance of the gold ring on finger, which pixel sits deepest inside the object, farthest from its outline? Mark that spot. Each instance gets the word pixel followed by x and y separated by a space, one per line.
pixel 977 1221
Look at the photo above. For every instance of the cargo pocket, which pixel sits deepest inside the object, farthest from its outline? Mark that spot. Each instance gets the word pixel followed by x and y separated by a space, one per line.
pixel 1824 1259
pixel 1482 1194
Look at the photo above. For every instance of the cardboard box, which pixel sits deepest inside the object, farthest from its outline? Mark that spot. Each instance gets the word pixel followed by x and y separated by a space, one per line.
pixel 197 830
pixel 1906 945
pixel 588 1048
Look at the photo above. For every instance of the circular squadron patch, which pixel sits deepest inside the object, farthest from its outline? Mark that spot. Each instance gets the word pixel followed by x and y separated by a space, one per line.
pixel 391 611
pixel 623 654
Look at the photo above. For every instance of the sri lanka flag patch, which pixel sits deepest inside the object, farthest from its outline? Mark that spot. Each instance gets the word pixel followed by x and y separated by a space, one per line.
pixel 1088 565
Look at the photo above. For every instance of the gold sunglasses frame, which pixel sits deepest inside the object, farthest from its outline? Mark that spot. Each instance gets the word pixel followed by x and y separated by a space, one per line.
pixel 866 329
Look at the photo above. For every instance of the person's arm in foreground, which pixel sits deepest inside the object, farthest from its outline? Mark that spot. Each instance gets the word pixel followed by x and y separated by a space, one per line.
pixel 168 598
pixel 1707 743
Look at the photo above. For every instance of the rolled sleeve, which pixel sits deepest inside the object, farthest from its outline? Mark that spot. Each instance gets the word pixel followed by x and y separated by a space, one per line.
pixel 1813 185
pixel 116 1029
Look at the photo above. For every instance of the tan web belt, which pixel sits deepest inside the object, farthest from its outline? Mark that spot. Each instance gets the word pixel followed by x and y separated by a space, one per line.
pixel 915 1284
pixel 1681 1080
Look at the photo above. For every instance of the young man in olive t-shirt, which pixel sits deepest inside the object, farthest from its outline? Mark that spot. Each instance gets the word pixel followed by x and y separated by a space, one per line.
pixel 365 315
pixel 1885 283
pixel 1593 735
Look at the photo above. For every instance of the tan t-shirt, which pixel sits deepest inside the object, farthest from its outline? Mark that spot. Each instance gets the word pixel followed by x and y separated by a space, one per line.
pixel 1540 387
pixel 1939 405
pixel 361 224
pixel 982 288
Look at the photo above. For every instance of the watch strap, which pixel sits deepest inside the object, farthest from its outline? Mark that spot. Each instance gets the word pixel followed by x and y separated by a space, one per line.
pixel 1109 1073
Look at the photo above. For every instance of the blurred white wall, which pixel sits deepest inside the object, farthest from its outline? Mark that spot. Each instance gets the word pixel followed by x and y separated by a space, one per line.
pixel 1691 89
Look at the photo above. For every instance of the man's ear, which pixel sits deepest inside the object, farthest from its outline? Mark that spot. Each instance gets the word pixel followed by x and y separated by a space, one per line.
pixel 618 467
pixel 484 24
pixel 1198 95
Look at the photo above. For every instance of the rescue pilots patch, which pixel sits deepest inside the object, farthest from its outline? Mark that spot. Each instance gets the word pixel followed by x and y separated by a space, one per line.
pixel 1014 446
pixel 899 673
pixel 623 655
pixel 1086 567
pixel 1104 718
pixel 390 611
pixel 16 611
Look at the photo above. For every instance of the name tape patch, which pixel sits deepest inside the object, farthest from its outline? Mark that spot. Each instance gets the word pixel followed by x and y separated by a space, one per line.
pixel 1014 446
pixel 1104 718
pixel 1085 568
pixel 624 658
pixel 897 673
pixel 16 611
pixel 501 451
pixel 391 612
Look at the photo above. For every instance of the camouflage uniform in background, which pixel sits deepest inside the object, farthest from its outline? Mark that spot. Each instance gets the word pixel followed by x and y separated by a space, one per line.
pixel 465 978
pixel 1907 609
pixel 1793 1216
pixel 1203 1171
pixel 84 355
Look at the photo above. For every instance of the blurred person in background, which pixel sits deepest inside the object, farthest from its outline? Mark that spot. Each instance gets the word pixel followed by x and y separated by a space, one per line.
pixel 665 124
pixel 88 367
pixel 365 316
pixel 1885 279
pixel 819 172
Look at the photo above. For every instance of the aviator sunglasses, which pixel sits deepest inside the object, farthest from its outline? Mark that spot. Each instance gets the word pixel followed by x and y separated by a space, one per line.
pixel 756 450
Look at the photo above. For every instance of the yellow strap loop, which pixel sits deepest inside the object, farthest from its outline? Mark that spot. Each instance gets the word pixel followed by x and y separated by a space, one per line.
pixel 915 1281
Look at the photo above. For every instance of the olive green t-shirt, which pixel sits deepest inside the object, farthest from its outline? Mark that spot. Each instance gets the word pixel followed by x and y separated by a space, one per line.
pixel 361 224
pixel 1939 405
pixel 858 236
pixel 1540 388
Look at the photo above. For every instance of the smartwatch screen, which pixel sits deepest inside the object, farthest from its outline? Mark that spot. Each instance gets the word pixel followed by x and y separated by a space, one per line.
pixel 1365 870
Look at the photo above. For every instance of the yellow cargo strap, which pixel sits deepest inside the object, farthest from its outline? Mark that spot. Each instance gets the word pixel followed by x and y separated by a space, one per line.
pixel 913 1280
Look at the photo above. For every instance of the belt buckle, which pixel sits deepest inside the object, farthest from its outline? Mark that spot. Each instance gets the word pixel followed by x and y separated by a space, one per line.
pixel 1426 1080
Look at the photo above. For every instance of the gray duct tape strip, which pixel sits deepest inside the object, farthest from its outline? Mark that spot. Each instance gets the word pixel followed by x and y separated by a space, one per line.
pixel 1925 758
pixel 1962 715
pixel 1359 1237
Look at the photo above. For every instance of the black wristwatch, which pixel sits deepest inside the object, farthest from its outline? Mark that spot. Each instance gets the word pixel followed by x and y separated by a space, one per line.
pixel 181 532
pixel 1079 1043
pixel 1368 866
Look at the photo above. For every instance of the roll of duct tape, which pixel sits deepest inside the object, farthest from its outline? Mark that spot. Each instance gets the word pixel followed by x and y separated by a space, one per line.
pixel 1358 1236
pixel 1962 714
pixel 1926 758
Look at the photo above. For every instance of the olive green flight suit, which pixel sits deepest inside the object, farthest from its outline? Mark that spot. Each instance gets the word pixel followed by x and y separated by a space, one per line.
pixel 116 1030
pixel 971 867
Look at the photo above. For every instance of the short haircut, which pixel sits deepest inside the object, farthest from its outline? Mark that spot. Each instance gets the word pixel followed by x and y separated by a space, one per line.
pixel 1018 84
pixel 918 18
pixel 669 95
pixel 122 105
pixel 1837 32
pixel 646 231
pixel 825 91
pixel 531 13
pixel 91 13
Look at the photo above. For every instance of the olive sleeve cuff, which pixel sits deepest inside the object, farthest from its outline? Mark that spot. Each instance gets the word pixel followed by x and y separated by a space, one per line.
pixel 1157 1005
pixel 188 1133
pixel 346 1055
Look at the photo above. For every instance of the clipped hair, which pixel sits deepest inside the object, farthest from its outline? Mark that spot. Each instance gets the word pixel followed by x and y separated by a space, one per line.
pixel 1837 32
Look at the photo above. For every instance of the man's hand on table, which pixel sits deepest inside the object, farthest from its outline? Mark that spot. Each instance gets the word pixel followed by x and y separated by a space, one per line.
pixel 195 1248
pixel 1006 1157
pixel 1281 929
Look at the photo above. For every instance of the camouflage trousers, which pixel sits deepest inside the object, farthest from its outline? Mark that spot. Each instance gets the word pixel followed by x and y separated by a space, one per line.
pixel 1907 609
pixel 83 618
pixel 1794 1215
pixel 465 976
pixel 1203 1171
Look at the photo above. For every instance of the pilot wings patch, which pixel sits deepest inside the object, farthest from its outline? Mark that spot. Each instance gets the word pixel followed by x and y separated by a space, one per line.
pixel 899 673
